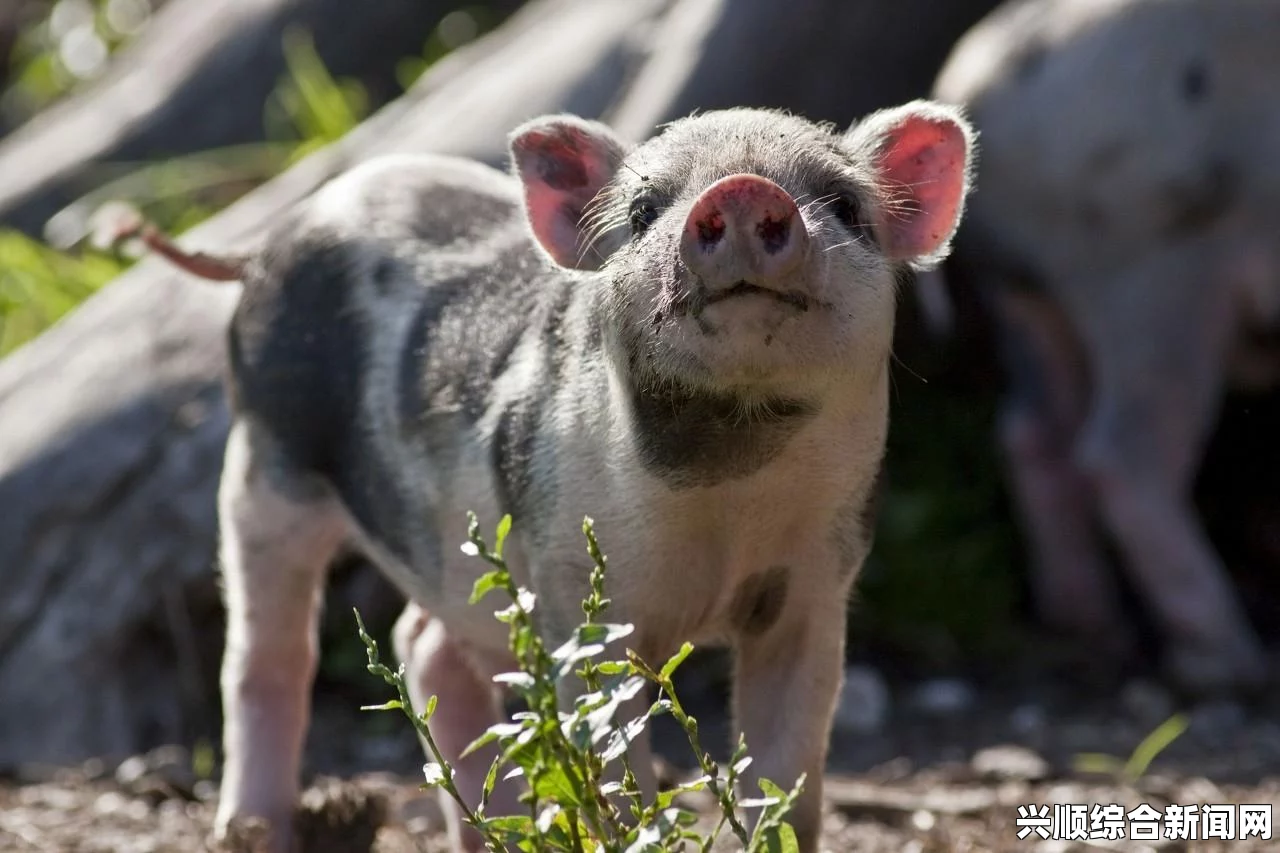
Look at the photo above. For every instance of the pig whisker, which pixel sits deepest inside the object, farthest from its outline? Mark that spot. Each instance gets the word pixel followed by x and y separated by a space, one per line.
pixel 893 355
pixel 815 206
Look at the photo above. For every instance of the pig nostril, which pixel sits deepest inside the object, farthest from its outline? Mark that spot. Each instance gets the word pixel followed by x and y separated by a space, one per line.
pixel 710 230
pixel 774 234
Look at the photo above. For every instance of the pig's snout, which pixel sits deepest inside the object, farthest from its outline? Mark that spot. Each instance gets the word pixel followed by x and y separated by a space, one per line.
pixel 744 228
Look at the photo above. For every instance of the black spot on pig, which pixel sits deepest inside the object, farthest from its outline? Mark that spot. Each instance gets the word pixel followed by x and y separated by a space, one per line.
pixel 435 216
pixel 384 275
pixel 415 388
pixel 1198 201
pixel 701 438
pixel 1029 63
pixel 298 347
pixel 759 601
pixel 466 329
pixel 1195 83
pixel 513 446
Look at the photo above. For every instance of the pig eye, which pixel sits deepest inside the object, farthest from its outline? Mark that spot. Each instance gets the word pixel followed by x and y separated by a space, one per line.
pixel 847 209
pixel 642 215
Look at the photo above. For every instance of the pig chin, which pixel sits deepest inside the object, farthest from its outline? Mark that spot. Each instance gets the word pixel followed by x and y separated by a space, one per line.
pixel 754 346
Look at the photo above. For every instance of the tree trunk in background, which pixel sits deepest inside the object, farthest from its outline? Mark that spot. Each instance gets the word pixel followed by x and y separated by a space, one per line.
pixel 197 79
pixel 112 423
pixel 830 60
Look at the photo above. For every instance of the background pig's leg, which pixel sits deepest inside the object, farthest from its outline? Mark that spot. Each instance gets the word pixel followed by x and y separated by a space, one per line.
pixel 1210 643
pixel 1072 584
pixel 279 531
pixel 467 705
pixel 785 688
pixel 1160 337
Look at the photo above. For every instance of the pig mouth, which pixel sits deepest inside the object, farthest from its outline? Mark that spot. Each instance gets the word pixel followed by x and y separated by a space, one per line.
pixel 745 288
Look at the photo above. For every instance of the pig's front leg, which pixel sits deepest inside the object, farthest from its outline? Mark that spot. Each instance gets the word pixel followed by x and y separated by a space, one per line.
pixel 437 664
pixel 790 660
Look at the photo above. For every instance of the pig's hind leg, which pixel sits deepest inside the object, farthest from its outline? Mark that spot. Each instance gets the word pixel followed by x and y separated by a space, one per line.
pixel 468 703
pixel 1073 586
pixel 1160 336
pixel 279 529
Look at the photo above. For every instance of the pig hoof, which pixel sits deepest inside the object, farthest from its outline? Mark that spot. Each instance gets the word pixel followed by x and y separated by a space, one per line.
pixel 1201 671
pixel 251 835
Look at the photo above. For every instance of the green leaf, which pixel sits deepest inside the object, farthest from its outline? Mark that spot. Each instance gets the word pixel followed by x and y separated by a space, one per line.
pixel 604 632
pixel 491 734
pixel 667 797
pixel 759 802
pixel 660 707
pixel 678 658
pixel 620 738
pixel 554 784
pixel 490 779
pixel 589 641
pixel 782 839
pixel 486 583
pixel 431 708
pixel 392 705
pixel 519 825
pixel 770 789
pixel 1097 762
pixel 504 528
pixel 1153 744
pixel 613 667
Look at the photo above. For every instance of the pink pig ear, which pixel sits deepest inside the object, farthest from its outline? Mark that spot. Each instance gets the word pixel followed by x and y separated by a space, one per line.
pixel 923 155
pixel 563 161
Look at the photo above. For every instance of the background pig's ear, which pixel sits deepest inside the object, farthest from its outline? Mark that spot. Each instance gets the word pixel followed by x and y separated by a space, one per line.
pixel 923 154
pixel 563 161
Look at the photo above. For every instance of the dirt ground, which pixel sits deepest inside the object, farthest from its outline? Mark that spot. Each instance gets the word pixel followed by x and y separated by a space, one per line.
pixel 946 770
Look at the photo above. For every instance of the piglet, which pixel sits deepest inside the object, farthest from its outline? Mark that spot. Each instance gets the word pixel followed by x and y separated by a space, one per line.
pixel 687 339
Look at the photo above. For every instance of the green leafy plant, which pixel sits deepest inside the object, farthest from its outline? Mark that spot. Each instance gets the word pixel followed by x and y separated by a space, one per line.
pixel 456 29
pixel 565 755
pixel 39 284
pixel 1135 767
pixel 310 105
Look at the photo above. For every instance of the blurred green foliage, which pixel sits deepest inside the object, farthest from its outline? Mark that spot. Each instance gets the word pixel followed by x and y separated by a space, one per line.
pixel 943 583
pixel 68 45
pixel 308 110
pixel 38 285
pixel 455 30
pixel 311 106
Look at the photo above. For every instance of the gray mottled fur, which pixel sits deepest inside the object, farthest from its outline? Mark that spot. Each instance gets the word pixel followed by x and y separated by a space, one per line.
pixel 405 344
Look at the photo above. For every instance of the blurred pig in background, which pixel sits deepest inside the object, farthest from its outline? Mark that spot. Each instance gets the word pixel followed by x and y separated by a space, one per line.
pixel 1126 231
